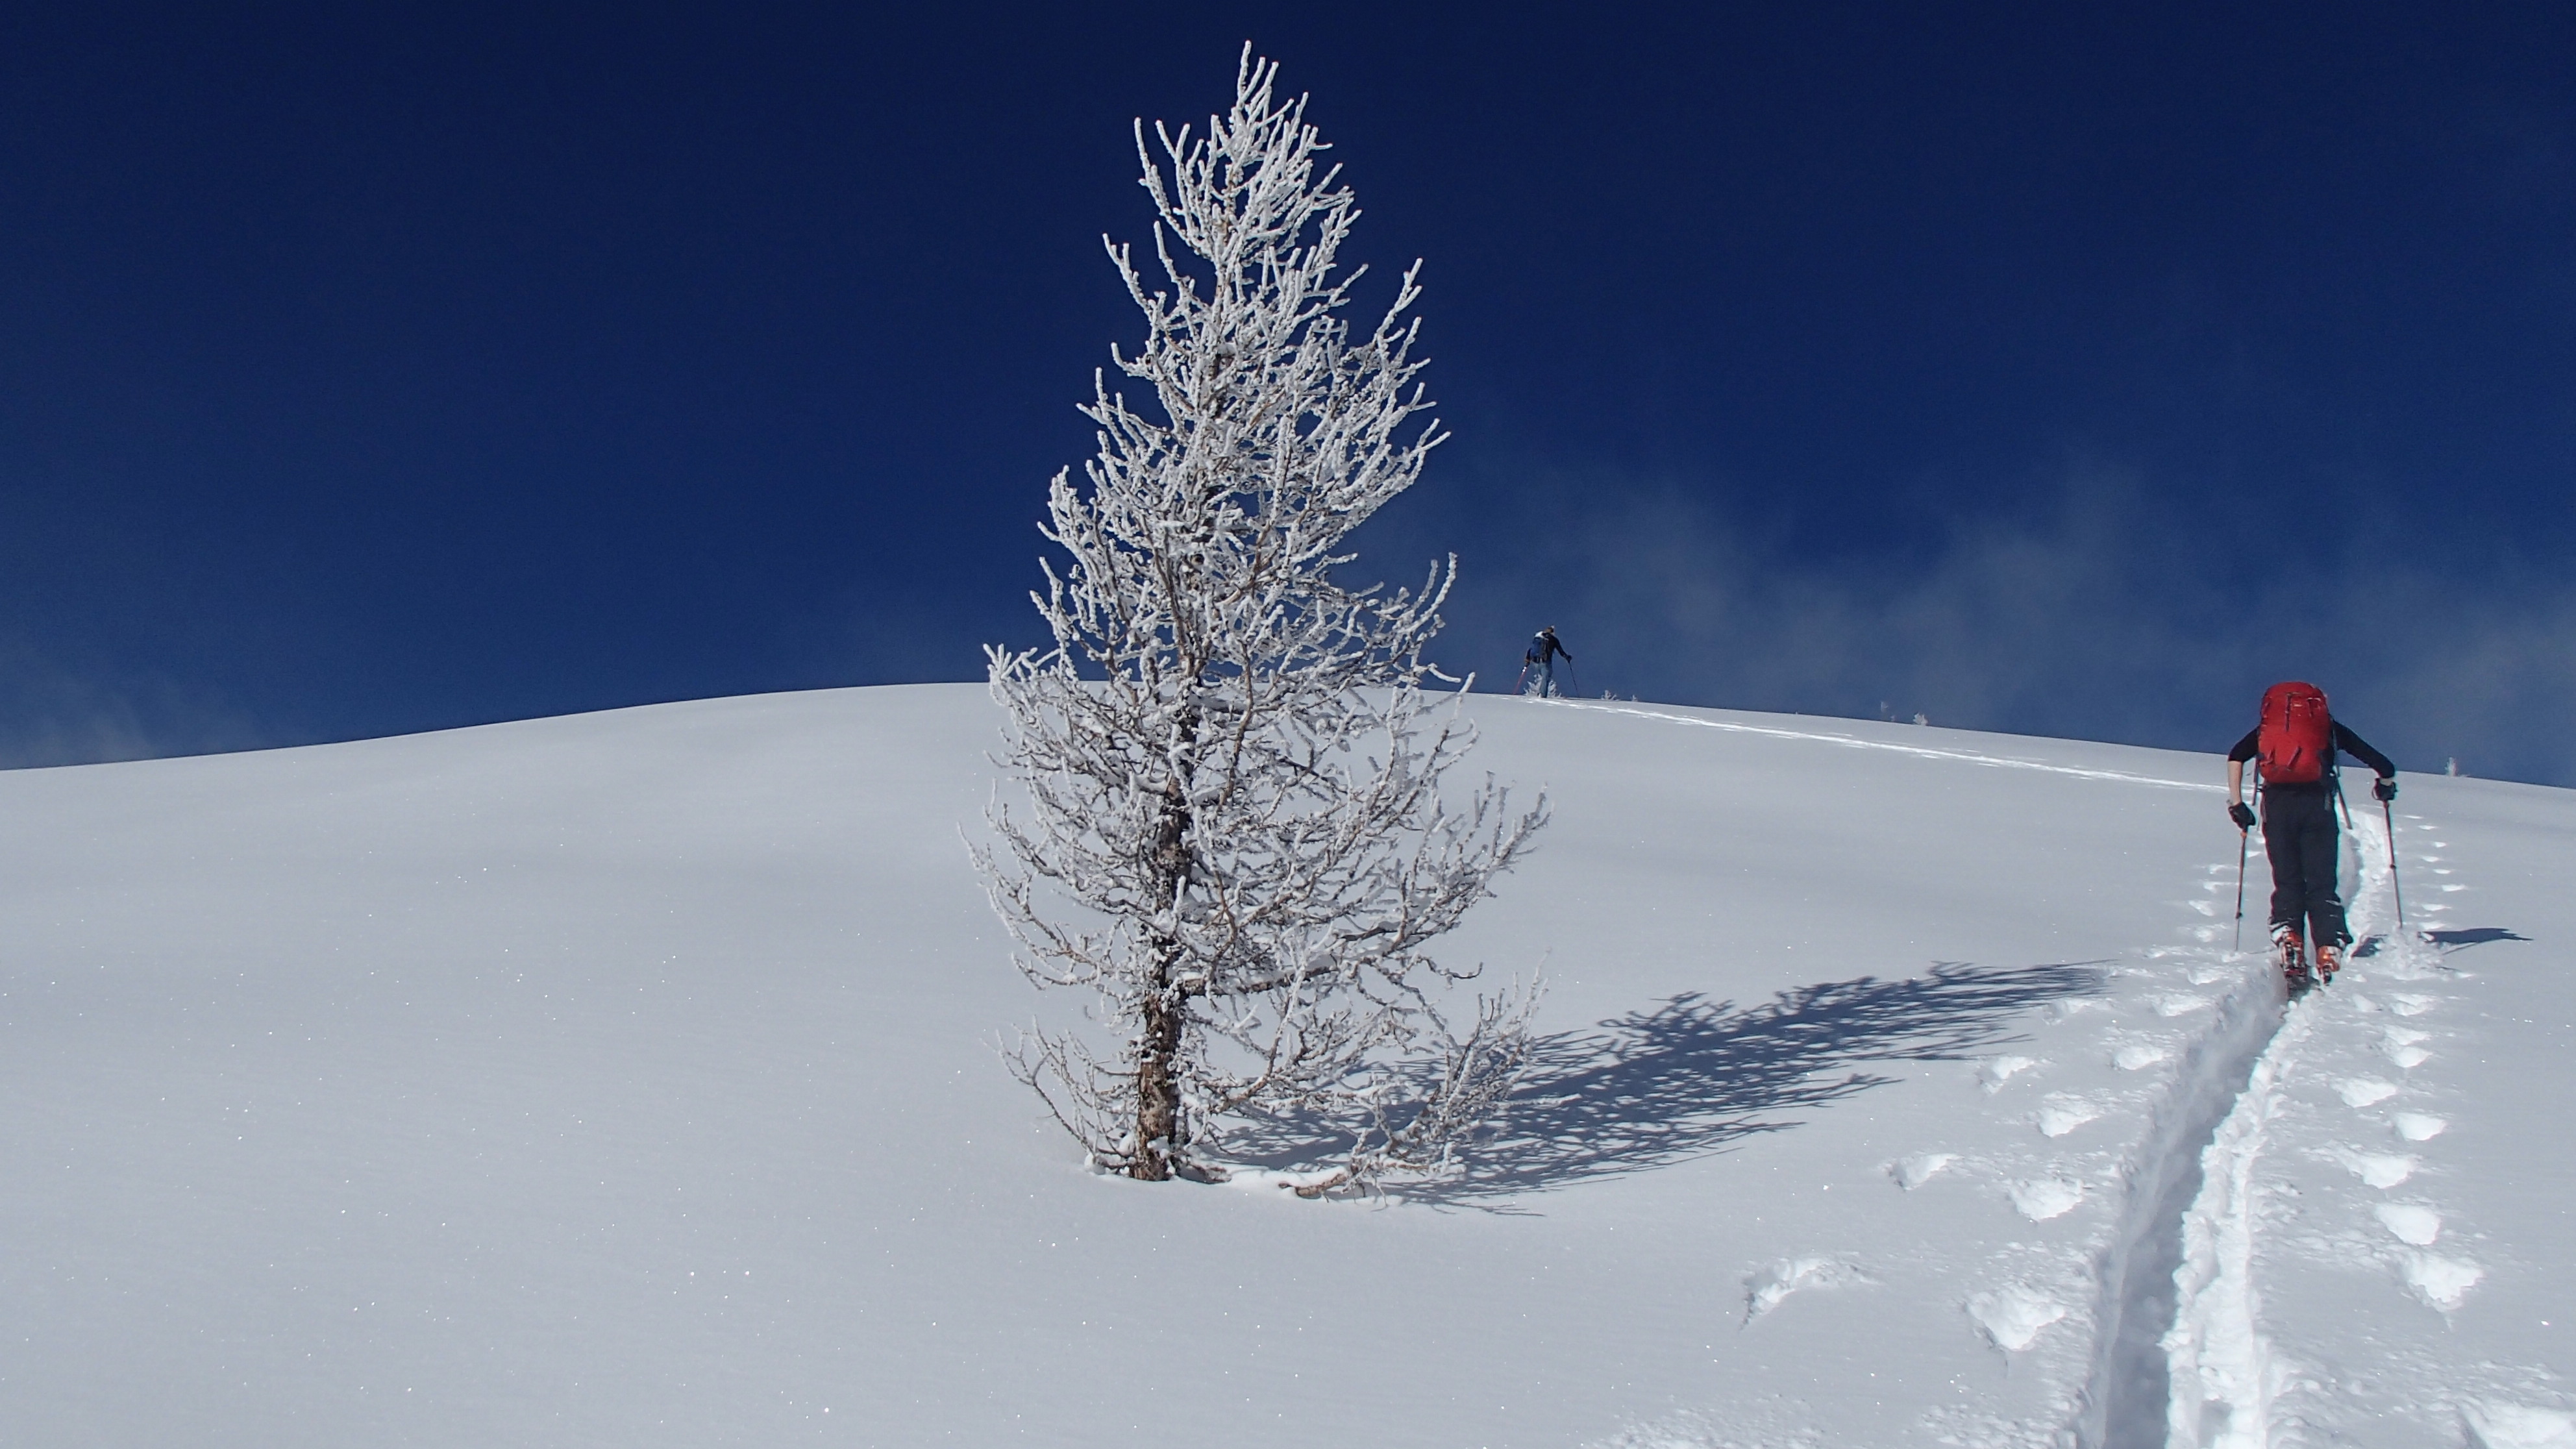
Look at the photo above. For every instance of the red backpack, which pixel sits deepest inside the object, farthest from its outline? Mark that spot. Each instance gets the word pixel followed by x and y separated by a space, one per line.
pixel 2297 737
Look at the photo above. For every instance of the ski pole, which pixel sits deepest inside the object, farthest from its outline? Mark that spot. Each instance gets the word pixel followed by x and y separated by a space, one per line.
pixel 2242 834
pixel 2388 813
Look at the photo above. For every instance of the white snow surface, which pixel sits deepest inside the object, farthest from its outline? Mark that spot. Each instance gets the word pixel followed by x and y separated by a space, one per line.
pixel 630 1079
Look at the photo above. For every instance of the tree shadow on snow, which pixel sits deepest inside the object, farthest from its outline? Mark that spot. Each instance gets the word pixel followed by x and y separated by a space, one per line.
pixel 1693 1076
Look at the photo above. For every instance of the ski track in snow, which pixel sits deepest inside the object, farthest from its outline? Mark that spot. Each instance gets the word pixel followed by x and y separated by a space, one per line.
pixel 2217 1362
pixel 2190 1047
pixel 1925 752
pixel 2236 1382
pixel 2236 1085
pixel 2165 1300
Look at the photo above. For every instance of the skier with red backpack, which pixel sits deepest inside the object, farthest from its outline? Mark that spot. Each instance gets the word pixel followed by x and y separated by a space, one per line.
pixel 2294 747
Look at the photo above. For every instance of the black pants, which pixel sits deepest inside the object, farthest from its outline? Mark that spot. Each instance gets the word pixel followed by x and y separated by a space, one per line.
pixel 2300 839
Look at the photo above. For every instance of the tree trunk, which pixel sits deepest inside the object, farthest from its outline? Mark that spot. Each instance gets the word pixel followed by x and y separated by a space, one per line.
pixel 1158 1101
pixel 1158 1097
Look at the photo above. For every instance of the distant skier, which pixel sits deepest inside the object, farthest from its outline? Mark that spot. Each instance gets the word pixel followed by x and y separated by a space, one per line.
pixel 2294 747
pixel 1538 664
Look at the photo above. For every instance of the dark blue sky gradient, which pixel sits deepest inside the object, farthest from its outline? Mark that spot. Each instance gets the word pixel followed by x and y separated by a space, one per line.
pixel 2052 369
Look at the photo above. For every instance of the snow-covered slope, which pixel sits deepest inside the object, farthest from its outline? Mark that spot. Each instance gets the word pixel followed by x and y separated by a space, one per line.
pixel 628 1079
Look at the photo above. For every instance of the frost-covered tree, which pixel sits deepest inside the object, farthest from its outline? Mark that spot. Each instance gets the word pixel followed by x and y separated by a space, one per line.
pixel 1233 768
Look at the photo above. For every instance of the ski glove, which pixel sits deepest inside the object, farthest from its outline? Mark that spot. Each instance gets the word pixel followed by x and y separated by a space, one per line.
pixel 2386 789
pixel 2242 814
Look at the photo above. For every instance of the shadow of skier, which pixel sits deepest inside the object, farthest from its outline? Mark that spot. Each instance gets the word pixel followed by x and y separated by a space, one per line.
pixel 2447 941
pixel 2473 936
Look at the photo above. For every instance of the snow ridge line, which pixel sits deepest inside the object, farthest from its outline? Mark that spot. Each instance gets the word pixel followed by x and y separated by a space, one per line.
pixel 2127 1396
pixel 2003 762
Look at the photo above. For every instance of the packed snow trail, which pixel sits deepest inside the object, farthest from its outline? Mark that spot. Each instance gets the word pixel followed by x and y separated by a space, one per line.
pixel 1925 752
pixel 2179 1038
pixel 2180 1166
pixel 2224 1381
pixel 2324 1190
pixel 2218 1370
pixel 2186 1351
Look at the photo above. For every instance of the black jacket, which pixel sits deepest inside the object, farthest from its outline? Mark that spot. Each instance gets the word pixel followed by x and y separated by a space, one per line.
pixel 2344 740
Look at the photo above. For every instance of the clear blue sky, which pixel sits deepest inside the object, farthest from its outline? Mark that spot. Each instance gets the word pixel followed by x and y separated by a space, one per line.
pixel 2056 369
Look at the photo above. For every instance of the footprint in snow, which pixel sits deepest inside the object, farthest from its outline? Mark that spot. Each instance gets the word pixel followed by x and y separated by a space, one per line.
pixel 1769 1288
pixel 2138 1056
pixel 2400 1047
pixel 2517 1426
pixel 2376 1169
pixel 2416 1127
pixel 2413 1224
pixel 1999 1070
pixel 2410 1004
pixel 2441 1282
pixel 2171 1006
pixel 2013 1317
pixel 2207 975
pixel 2365 1091
pixel 2048 1197
pixel 2064 1114
pixel 1912 1172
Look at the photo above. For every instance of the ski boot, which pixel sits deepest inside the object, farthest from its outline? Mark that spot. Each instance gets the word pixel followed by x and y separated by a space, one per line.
pixel 2292 955
pixel 2329 961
